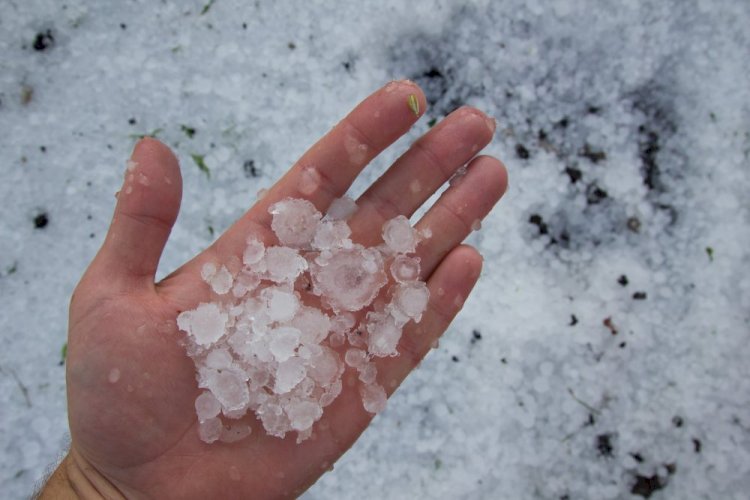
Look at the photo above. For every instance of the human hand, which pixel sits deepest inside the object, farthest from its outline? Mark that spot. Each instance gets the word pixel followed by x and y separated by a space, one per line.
pixel 131 387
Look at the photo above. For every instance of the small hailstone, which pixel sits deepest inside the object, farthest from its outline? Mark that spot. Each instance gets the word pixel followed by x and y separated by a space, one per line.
pixel 229 389
pixel 304 389
pixel 207 406
pixel 355 338
pixel 368 372
pixel 399 236
pixel 302 414
pixel 355 357
pixel 341 208
pixel 324 366
pixel 283 343
pixel 411 298
pixel 384 334
pixel 283 264
pixel 294 221
pixel 313 323
pixel 233 265
pixel 247 281
pixel 281 304
pixel 337 339
pixel 332 234
pixel 476 225
pixel 288 374
pixel 274 420
pixel 331 393
pixel 207 271
pixel 219 359
pixel 221 282
pixel 404 268
pixel 253 251
pixel 373 397
pixel 304 435
pixel 210 430
pixel 206 324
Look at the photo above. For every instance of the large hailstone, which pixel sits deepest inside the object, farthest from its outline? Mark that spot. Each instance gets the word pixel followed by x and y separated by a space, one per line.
pixel 350 278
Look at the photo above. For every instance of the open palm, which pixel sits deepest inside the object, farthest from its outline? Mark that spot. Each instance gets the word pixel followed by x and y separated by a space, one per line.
pixel 131 388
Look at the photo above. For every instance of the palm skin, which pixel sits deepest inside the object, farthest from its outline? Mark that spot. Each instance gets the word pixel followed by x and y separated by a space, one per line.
pixel 131 387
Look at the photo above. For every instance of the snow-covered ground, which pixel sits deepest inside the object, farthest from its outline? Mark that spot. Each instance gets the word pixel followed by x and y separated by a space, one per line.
pixel 606 351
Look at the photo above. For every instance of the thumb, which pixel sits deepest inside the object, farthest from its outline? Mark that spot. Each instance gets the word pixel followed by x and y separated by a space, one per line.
pixel 147 207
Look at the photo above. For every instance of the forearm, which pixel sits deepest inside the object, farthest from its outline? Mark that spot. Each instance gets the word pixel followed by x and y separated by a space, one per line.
pixel 74 478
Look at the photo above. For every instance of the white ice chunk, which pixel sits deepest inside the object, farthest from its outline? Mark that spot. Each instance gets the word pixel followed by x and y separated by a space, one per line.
pixel 356 338
pixel 206 323
pixel 219 359
pixel 207 271
pixel 399 236
pixel 221 282
pixel 207 406
pixel 253 251
pixel 282 304
pixel 210 430
pixel 367 373
pixel 404 268
pixel 383 334
pixel 313 323
pixel 283 343
pixel 273 418
pixel 355 357
pixel 373 397
pixel 324 367
pixel 343 322
pixel 351 279
pixel 331 392
pixel 294 221
pixel 283 264
pixel 411 298
pixel 288 374
pixel 302 414
pixel 229 389
pixel 341 208
pixel 337 339
pixel 332 234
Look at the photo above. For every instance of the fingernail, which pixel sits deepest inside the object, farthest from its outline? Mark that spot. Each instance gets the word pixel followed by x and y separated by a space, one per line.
pixel 491 123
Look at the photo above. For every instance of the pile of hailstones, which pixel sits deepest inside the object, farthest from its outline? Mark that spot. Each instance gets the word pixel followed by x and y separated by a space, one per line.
pixel 269 341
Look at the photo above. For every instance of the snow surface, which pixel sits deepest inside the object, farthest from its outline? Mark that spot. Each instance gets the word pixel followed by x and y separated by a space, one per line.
pixel 626 130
